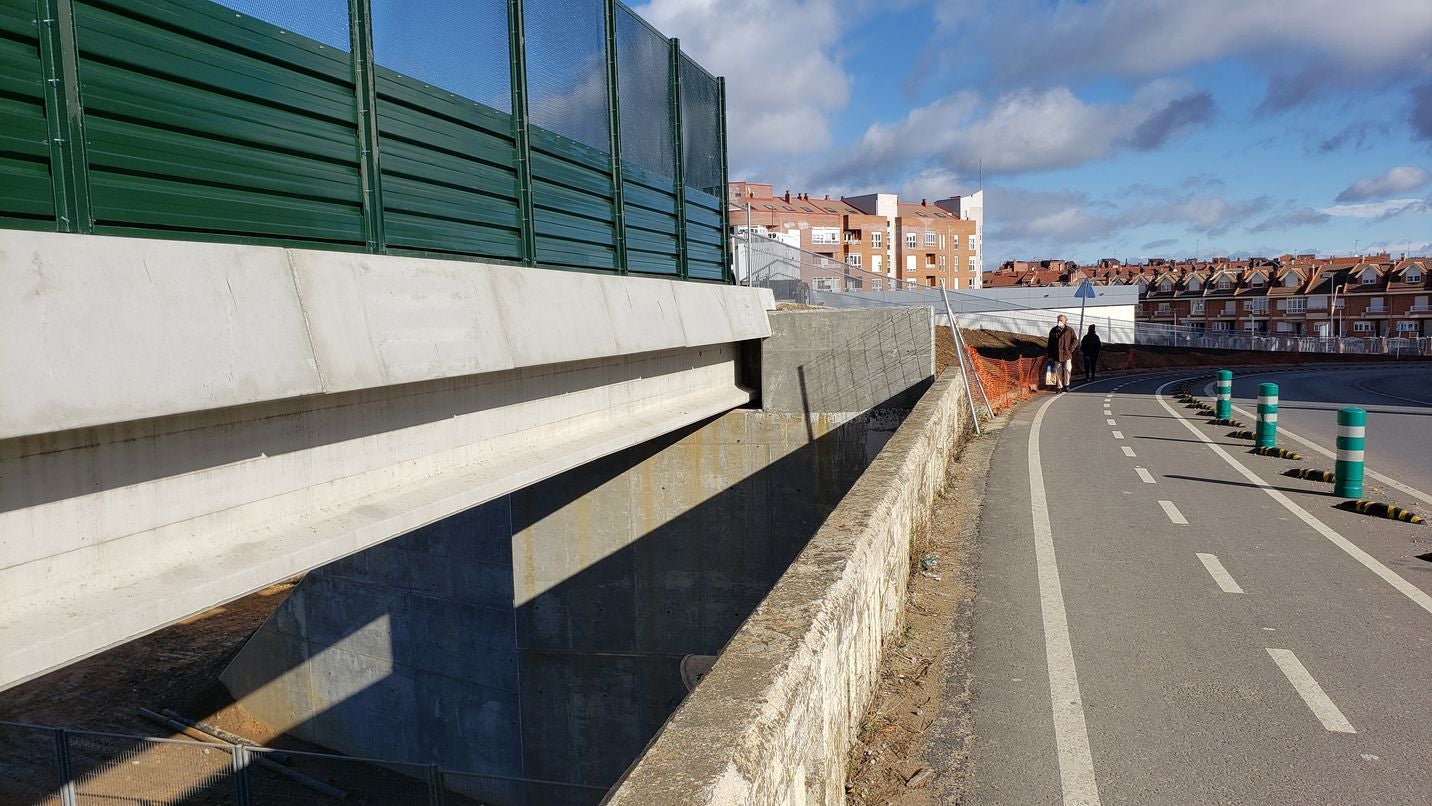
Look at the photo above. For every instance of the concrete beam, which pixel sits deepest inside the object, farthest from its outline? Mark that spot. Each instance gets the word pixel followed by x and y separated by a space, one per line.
pixel 101 330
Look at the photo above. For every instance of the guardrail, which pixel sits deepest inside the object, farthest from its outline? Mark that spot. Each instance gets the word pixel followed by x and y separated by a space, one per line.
pixel 565 133
pixel 48 766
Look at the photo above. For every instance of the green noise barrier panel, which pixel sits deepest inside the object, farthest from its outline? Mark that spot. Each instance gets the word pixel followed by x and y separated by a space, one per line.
pixel 561 133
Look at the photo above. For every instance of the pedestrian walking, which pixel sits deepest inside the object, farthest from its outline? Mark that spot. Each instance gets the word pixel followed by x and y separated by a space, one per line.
pixel 1090 347
pixel 1062 344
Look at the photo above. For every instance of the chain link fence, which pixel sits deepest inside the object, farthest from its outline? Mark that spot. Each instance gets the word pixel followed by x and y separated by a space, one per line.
pixel 46 766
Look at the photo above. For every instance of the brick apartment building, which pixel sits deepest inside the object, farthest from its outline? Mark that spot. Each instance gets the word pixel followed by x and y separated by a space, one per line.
pixel 1371 296
pixel 920 244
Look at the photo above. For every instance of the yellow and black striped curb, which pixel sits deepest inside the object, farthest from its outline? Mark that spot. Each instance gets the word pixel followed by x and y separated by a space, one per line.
pixel 1380 509
pixel 1243 435
pixel 1281 453
pixel 1311 475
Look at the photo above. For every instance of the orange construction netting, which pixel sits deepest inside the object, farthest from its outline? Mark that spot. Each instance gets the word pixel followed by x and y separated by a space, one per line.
pixel 1007 381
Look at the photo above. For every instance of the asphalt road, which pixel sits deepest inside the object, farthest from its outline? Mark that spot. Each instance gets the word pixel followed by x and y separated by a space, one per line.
pixel 1191 626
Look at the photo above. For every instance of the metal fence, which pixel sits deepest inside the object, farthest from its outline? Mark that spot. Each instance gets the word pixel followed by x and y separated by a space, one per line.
pixel 1179 336
pixel 46 766
pixel 564 133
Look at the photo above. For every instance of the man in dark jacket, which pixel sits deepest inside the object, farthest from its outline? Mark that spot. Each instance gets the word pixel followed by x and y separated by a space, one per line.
pixel 1062 344
pixel 1090 347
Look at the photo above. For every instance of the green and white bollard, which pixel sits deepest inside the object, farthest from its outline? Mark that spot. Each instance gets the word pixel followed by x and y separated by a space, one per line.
pixel 1224 387
pixel 1347 473
pixel 1267 434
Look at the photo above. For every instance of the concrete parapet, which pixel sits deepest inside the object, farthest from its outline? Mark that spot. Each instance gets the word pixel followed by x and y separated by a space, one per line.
pixel 773 720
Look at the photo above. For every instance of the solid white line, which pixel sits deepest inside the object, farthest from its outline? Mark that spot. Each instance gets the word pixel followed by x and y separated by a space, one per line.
pixel 1417 595
pixel 1071 735
pixel 1118 434
pixel 1145 475
pixel 1173 514
pixel 1362 385
pixel 1129 452
pixel 1219 573
pixel 1111 422
pixel 1389 481
pixel 1312 693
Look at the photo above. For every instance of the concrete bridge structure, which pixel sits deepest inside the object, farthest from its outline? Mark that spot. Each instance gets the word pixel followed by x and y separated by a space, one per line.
pixel 184 423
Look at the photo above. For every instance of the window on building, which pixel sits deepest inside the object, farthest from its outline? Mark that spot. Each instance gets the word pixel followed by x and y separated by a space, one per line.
pixel 941 261
pixel 1285 327
pixel 1363 327
pixel 1369 277
pixel 877 239
pixel 929 239
pixel 1256 280
pixel 1291 280
pixel 1256 305
pixel 942 240
pixel 1194 284
pixel 1196 307
pixel 930 280
pixel 877 262
pixel 1297 305
pixel 1412 275
pixel 1230 308
pixel 826 283
pixel 954 284
pixel 970 242
pixel 1377 304
pixel 1419 304
pixel 972 262
pixel 1404 327
pixel 912 240
pixel 1318 303
pixel 877 285
pixel 824 235
pixel 853 260
pixel 1166 286
pixel 1224 283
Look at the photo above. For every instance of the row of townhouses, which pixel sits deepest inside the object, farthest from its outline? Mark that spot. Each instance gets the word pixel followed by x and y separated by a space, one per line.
pixel 1301 295
pixel 929 243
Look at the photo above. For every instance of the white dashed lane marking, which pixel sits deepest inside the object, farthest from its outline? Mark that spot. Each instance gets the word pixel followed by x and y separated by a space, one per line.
pixel 1145 475
pixel 1129 452
pixel 1118 435
pixel 1110 422
pixel 1219 573
pixel 1173 514
pixel 1318 701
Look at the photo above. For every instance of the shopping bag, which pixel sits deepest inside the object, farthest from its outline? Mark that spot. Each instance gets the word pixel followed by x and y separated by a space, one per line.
pixel 1049 373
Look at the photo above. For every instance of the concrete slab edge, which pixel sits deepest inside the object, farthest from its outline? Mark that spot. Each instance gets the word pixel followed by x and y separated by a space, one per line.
pixel 101 330
pixel 774 720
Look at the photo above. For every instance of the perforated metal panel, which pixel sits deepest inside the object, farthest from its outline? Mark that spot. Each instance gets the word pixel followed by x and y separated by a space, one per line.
pixel 567 69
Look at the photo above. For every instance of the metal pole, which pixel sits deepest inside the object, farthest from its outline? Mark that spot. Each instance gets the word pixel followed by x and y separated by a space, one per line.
pixel 241 775
pixel 1348 471
pixel 1267 434
pixel 521 136
pixel 64 768
pixel 614 138
pixel 679 146
pixel 365 93
pixel 1225 394
pixel 964 373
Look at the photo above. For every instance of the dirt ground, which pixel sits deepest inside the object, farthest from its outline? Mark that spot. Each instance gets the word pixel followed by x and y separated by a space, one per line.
pixel 926 669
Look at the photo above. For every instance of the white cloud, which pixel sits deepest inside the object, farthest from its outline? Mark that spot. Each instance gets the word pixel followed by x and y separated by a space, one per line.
pixel 1381 209
pixel 1301 44
pixel 783 77
pixel 1025 130
pixel 1397 180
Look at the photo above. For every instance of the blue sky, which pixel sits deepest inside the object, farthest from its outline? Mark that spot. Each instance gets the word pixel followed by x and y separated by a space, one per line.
pixel 1105 128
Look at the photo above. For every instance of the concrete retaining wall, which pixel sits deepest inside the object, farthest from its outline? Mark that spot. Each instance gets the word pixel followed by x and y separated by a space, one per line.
pixel 847 361
pixel 546 635
pixel 773 721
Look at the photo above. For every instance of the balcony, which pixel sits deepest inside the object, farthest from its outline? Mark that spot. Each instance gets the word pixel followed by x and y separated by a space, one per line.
pixel 1420 309
pixel 1164 313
